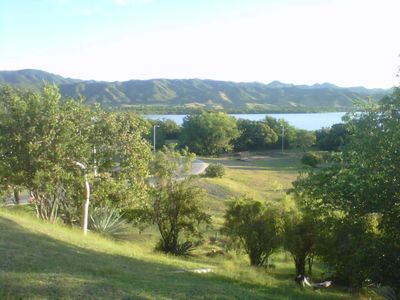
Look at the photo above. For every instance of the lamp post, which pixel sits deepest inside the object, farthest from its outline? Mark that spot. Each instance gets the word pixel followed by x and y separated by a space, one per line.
pixel 283 136
pixel 154 137
pixel 85 208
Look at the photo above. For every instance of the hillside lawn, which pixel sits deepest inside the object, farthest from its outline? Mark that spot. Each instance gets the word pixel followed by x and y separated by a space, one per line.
pixel 43 261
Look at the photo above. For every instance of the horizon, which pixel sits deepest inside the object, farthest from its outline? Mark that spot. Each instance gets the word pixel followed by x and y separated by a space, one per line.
pixel 348 43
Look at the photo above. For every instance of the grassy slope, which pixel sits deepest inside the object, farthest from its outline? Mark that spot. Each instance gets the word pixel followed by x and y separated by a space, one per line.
pixel 263 176
pixel 39 260
pixel 43 261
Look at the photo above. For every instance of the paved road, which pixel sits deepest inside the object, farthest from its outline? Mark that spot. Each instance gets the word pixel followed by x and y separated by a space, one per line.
pixel 198 167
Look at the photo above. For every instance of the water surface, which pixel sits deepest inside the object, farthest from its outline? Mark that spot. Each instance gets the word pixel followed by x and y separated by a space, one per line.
pixel 308 121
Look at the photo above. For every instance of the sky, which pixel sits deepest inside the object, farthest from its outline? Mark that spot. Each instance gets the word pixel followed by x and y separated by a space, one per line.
pixel 344 42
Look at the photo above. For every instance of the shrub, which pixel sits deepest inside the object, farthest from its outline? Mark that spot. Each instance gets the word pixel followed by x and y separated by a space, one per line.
pixel 256 226
pixel 108 222
pixel 215 170
pixel 177 211
pixel 311 159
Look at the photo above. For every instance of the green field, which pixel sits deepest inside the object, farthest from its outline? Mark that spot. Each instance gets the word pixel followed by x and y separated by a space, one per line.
pixel 43 261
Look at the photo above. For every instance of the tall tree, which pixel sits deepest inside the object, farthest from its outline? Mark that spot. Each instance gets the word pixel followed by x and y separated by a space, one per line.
pixel 358 199
pixel 42 137
pixel 254 135
pixel 304 139
pixel 332 139
pixel 210 133
pixel 288 134
pixel 300 237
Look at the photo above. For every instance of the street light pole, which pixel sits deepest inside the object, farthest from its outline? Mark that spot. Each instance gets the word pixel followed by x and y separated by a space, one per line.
pixel 85 208
pixel 154 137
pixel 85 212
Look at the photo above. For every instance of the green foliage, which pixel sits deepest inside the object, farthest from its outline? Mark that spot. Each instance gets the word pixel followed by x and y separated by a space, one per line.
pixel 171 129
pixel 210 133
pixel 168 165
pixel 257 227
pixel 111 191
pixel 254 135
pixel 289 133
pixel 332 139
pixel 41 138
pixel 107 221
pixel 304 139
pixel 166 131
pixel 357 200
pixel 177 212
pixel 300 237
pixel 215 170
pixel 175 206
pixel 311 159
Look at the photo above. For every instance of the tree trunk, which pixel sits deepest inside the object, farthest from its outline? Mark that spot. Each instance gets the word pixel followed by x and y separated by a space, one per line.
pixel 17 198
pixel 255 257
pixel 300 263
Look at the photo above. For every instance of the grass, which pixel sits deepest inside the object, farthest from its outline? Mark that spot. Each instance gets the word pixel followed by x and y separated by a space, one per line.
pixel 262 176
pixel 43 261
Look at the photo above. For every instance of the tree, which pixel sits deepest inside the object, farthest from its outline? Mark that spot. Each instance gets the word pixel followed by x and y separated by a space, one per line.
pixel 332 139
pixel 358 200
pixel 256 226
pixel 254 135
pixel 289 131
pixel 171 129
pixel 300 237
pixel 175 206
pixel 210 133
pixel 167 131
pixel 304 139
pixel 42 136
pixel 177 212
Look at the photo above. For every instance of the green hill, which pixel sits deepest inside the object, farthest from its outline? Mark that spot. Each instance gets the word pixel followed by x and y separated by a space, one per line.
pixel 186 94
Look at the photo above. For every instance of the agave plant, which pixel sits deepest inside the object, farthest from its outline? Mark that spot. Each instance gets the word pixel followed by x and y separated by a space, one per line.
pixel 108 222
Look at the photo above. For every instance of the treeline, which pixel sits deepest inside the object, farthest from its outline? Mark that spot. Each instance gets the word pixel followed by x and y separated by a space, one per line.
pixel 214 133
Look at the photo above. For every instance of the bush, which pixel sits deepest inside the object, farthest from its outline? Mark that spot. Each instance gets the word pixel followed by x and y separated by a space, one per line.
pixel 108 222
pixel 311 159
pixel 215 170
pixel 256 226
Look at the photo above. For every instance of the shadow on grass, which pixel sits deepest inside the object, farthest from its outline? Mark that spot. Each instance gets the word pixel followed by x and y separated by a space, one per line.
pixel 38 266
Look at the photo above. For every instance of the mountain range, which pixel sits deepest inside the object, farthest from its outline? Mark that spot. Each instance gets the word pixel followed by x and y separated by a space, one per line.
pixel 175 95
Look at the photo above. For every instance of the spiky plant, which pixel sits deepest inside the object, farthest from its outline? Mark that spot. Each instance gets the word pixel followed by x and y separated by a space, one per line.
pixel 108 222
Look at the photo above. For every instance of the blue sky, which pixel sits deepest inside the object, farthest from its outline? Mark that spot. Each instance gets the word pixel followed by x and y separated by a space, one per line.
pixel 345 42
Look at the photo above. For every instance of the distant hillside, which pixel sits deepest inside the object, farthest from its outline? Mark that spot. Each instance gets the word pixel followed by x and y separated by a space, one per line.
pixel 30 77
pixel 187 94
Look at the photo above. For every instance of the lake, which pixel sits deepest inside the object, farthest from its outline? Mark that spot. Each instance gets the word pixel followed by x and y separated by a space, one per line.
pixel 308 121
